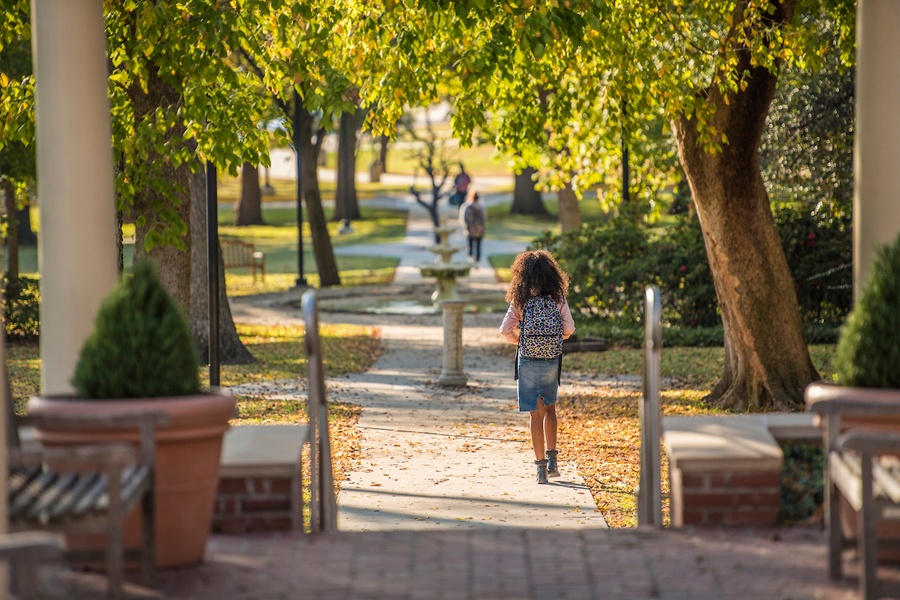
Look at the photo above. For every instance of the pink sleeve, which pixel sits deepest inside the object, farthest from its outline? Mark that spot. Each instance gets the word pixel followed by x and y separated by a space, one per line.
pixel 509 328
pixel 568 321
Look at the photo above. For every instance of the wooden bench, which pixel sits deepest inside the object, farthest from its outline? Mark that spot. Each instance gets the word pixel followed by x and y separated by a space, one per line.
pixel 89 489
pixel 237 255
pixel 862 466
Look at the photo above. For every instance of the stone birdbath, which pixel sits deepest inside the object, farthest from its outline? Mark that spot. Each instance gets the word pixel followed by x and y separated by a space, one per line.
pixel 443 269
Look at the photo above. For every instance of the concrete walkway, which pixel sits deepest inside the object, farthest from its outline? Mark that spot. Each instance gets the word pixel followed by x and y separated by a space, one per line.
pixel 437 458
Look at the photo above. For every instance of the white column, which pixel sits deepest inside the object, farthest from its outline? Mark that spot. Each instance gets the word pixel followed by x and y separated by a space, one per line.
pixel 77 244
pixel 876 200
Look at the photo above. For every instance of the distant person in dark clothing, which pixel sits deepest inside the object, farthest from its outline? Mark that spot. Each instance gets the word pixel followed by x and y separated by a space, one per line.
pixel 472 219
pixel 460 186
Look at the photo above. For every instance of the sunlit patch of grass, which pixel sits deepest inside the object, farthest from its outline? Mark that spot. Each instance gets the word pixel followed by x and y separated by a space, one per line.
pixel 502 264
pixel 24 363
pixel 280 352
pixel 252 410
pixel 354 270
pixel 700 366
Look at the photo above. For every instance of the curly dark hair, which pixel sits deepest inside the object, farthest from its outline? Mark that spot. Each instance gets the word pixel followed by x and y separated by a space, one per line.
pixel 536 273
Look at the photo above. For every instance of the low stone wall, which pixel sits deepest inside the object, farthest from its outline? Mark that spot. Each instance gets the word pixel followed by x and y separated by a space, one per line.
pixel 726 470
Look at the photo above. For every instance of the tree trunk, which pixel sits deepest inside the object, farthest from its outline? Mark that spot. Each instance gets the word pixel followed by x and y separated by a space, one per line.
pixel 346 203
pixel 27 237
pixel 309 180
pixel 384 142
pixel 526 199
pixel 231 349
pixel 12 231
pixel 569 211
pixel 767 364
pixel 248 208
pixel 173 264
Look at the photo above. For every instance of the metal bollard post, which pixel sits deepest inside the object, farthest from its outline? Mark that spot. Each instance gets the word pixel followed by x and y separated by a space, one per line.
pixel 649 492
pixel 451 370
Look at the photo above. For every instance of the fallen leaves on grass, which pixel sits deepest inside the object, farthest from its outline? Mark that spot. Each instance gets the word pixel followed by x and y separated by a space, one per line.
pixel 601 432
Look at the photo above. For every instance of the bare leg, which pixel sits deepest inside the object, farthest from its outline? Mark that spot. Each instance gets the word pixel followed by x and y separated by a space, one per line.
pixel 550 425
pixel 537 430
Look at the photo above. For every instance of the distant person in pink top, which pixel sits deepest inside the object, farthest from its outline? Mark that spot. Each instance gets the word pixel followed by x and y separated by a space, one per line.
pixel 537 321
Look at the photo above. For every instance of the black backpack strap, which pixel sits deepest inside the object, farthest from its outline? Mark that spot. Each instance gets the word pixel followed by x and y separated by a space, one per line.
pixel 559 371
pixel 516 364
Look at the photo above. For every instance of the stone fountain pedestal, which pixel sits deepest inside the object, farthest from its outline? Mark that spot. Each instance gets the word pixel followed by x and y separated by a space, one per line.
pixel 452 365
pixel 443 269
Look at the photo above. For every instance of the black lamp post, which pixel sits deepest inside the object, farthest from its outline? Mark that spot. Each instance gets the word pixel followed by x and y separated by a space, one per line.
pixel 625 173
pixel 212 258
pixel 301 280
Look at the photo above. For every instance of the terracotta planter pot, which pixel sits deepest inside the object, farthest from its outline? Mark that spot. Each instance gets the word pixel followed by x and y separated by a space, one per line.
pixel 817 392
pixel 187 465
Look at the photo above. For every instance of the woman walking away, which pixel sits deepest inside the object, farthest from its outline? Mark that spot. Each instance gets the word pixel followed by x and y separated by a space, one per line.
pixel 472 219
pixel 538 320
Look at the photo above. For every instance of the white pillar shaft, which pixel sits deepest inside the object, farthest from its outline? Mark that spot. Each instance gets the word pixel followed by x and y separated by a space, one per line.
pixel 77 247
pixel 876 201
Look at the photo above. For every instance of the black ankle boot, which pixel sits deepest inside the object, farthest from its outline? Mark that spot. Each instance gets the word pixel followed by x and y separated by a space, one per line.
pixel 552 466
pixel 541 470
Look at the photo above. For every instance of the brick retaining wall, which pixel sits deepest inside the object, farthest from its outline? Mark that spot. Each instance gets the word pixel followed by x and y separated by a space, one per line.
pixel 742 499
pixel 249 504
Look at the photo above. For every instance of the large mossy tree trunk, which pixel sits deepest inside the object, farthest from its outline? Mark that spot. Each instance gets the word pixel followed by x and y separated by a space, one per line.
pixel 767 363
pixel 173 264
pixel 309 181
pixel 231 349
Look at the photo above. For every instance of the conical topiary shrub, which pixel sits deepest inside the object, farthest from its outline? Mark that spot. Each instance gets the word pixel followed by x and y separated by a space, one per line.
pixel 141 346
pixel 868 350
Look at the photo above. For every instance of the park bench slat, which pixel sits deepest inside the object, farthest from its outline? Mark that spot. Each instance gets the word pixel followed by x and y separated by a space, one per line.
pixel 30 494
pixel 39 510
pixel 20 477
pixel 66 503
pixel 94 498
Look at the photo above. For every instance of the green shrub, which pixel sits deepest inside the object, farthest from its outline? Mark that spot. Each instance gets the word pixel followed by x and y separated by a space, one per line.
pixel 802 481
pixel 867 353
pixel 818 248
pixel 612 263
pixel 141 346
pixel 681 270
pixel 22 308
pixel 607 263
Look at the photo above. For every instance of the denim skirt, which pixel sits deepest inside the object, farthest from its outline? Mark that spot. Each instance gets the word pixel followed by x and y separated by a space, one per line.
pixel 538 378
